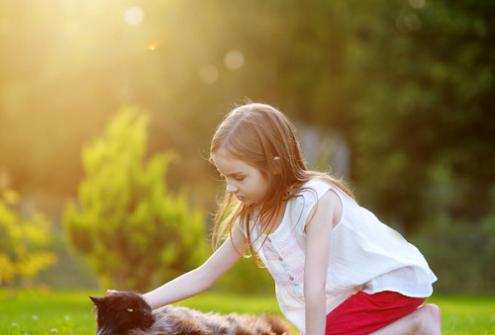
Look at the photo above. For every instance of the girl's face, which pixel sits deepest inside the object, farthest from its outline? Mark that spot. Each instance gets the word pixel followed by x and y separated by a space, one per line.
pixel 245 181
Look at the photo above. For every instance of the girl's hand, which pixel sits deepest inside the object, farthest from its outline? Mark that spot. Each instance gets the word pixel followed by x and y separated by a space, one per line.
pixel 110 292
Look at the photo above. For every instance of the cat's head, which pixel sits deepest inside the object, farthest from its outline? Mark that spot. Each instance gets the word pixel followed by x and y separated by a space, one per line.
pixel 120 312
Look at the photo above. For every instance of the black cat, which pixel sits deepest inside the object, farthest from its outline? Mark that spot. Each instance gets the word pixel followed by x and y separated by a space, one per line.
pixel 126 313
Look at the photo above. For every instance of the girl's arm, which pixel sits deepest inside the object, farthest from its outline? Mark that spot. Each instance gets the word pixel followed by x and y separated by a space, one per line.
pixel 201 278
pixel 318 231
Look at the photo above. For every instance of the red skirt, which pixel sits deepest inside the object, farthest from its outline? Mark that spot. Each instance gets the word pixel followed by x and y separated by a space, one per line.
pixel 364 313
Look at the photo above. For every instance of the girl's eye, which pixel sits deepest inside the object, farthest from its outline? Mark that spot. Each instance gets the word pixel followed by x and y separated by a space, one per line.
pixel 239 178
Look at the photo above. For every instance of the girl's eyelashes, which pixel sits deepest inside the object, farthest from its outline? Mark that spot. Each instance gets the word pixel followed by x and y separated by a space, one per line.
pixel 237 178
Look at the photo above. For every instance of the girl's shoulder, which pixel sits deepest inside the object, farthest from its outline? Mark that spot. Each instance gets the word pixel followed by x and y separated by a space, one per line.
pixel 309 193
pixel 315 186
pixel 314 190
pixel 300 206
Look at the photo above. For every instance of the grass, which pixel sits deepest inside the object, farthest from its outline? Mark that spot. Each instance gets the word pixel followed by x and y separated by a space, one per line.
pixel 71 312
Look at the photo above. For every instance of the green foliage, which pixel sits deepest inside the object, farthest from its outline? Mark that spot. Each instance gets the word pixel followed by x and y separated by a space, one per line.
pixel 23 242
pixel 459 250
pixel 134 233
pixel 246 277
pixel 460 253
pixel 71 271
pixel 423 109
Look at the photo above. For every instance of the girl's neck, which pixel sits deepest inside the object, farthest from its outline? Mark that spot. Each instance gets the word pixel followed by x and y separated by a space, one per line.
pixel 271 226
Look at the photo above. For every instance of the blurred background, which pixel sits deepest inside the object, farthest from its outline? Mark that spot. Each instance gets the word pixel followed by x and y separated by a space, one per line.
pixel 107 109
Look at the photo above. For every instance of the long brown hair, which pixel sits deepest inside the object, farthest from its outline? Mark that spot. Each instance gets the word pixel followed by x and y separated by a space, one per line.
pixel 256 133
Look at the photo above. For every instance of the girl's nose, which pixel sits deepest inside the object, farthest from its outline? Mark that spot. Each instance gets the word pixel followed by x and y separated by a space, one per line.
pixel 231 188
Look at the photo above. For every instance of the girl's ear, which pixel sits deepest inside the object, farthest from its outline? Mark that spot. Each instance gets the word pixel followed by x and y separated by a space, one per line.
pixel 277 165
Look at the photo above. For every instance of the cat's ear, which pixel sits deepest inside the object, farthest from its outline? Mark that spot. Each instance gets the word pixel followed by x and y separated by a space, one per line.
pixel 97 300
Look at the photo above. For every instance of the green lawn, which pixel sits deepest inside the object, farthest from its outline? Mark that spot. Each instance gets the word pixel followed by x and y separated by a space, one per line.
pixel 68 312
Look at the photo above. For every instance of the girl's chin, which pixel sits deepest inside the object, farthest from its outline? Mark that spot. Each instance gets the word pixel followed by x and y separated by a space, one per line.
pixel 245 201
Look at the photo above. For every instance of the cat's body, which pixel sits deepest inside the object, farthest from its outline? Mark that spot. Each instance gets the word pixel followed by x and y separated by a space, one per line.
pixel 126 313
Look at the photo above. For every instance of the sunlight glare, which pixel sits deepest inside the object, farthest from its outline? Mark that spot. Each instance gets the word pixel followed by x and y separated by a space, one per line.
pixel 152 45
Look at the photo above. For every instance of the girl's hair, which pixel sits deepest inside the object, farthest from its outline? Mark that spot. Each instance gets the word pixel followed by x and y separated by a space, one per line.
pixel 257 133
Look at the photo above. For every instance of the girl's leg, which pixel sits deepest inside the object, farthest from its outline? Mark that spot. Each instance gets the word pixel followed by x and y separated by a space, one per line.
pixel 426 320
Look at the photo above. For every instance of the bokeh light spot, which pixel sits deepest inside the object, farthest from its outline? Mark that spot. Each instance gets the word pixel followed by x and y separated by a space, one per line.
pixel 417 3
pixel 208 74
pixel 134 15
pixel 408 22
pixel 233 60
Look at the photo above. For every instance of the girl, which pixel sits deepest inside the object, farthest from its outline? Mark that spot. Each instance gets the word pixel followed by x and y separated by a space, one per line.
pixel 337 268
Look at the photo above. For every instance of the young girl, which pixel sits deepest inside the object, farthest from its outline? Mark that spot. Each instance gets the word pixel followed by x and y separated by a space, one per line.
pixel 337 268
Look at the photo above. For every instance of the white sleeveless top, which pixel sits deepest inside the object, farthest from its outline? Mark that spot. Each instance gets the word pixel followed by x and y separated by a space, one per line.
pixel 365 254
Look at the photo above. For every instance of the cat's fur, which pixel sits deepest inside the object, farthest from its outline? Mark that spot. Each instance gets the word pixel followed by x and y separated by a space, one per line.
pixel 126 313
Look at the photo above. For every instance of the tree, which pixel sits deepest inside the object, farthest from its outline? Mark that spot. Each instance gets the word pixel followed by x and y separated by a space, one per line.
pixel 132 231
pixel 23 242
pixel 425 121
